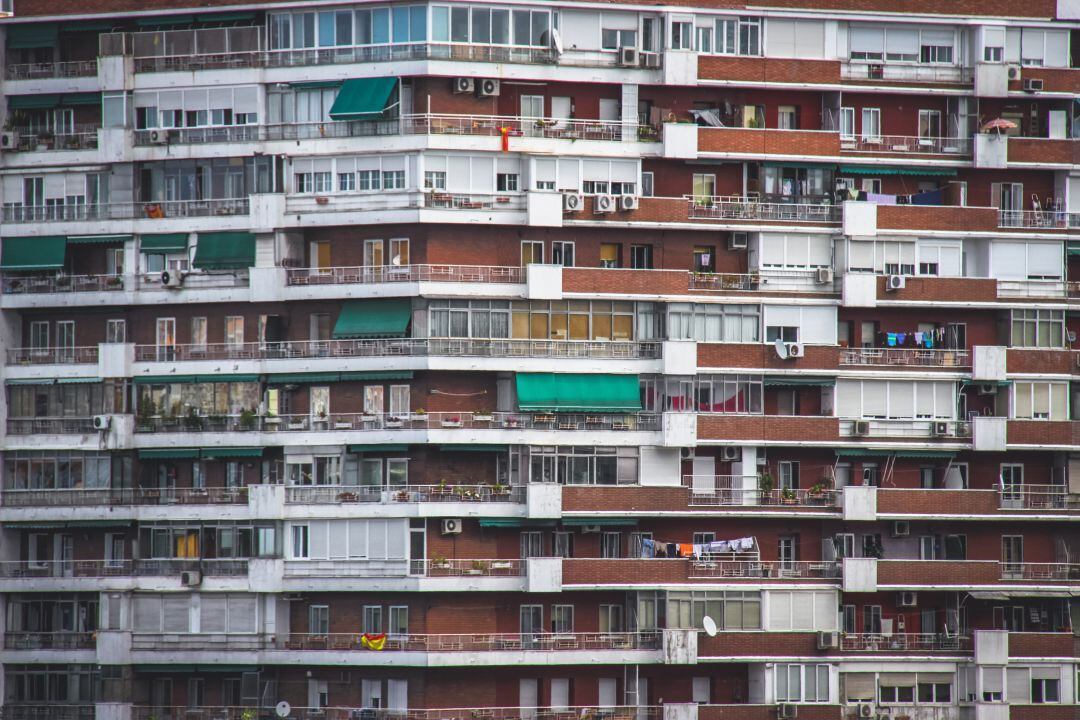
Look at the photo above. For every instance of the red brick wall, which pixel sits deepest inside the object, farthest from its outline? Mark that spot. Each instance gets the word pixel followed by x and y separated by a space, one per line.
pixel 764 427
pixel 758 70
pixel 597 280
pixel 929 502
pixel 1041 361
pixel 1042 432
pixel 736 644
pixel 1041 645
pixel 763 355
pixel 1031 150
pixel 932 289
pixel 761 142
pixel 1066 80
pixel 925 217
pixel 937 572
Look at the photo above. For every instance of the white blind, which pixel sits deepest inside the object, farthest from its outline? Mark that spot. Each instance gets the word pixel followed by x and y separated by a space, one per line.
pixel 1057 49
pixel 1032 44
pixel 176 613
pixel 825 617
pixel 809 39
pixel 874 398
pixel 397 694
pixel 317 548
pixel 1046 672
pixel 779 38
pixel 1017 685
pixel 1008 260
pixel 55 185
pixel 938 37
pixel 245 100
pixel 624 171
pixel 569 175
pixel 901 400
pixel 358 546
pixel 397 537
pixel 896 679
pixel 483 174
pixel 819 251
pixel 1044 260
pixel 507 165
pixel 902 40
pixel 147 613
pixel 544 169
pixel 195 100
pixel 338 539
pixel 772 249
pixel 377 539
pixel 595 170
pixel 457 172
pixel 848 398
pixel 991 679
pixel 994 37
pixel 212 613
pixel 173 100
pixel 818 325
pixel 798 250
pixel 945 404
pixel 220 98
pixel 393 162
pixel 619 21
pixel 858 686
pixel 861 255
pixel 780 610
pixel 243 613
pixel 867 39
pixel 802 611
pixel 435 163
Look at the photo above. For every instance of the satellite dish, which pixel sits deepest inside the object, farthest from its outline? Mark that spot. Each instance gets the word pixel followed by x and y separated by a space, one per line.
pixel 282 709
pixel 710 626
pixel 396 260
pixel 781 349
pixel 556 40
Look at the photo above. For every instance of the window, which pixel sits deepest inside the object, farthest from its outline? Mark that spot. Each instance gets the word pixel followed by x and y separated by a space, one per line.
pixel 936 54
pixel 935 693
pixel 611 619
pixel 704 188
pixel 319 619
pixel 1040 400
pixel 506 182
pixel 871 124
pixel 641 257
pixel 1038 328
pixel 1045 689
pixel 198 334
pixel 116 331
pixel 616 39
pixel 704 40
pixel 398 624
pixel 647 184
pixel 532 544
pixel 393 179
pixel 713 323
pixel 787 117
pixel 872 619
pixel 611 545
pixel 303 182
pixel 562 544
pixel 368 179
pixel 789 475
pixel 787 550
pixel 372 620
pixel 896 693
pixel 731 610
pixel 346 182
pixel 532 251
pixel 749 36
pixel 562 253
pixel 435 179
pixel 300 541
pixel 234 330
pixel 609 255
pixel 847 122
pixel 399 400
pixel 562 619
pixel 682 35
pixel 802 683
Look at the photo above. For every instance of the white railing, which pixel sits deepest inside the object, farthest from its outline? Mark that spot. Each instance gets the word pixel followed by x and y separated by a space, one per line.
pixel 643 712
pixel 50 426
pixel 79 137
pixel 374 274
pixel 1046 219
pixel 39 71
pixel 763 569
pixel 113 568
pixel 1037 497
pixel 904 642
pixel 83 497
pixel 1040 571
pixel 124 210
pixel 907 144
pixel 36 284
pixel 766 279
pixel 481 642
pixel 336 494
pixel 733 207
pixel 864 70
pixel 53 355
pixel 541 127
pixel 744 491
pixel 905 356
pixel 903 428
pixel 1031 288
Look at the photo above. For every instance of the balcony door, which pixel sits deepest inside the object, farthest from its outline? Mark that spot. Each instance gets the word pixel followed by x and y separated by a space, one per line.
pixel 531 623
pixel 1012 554
pixel 532 108
pixel 166 339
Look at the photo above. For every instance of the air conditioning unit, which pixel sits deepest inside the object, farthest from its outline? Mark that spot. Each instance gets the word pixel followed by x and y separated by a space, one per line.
pixel 828 640
pixel 988 389
pixel 464 85
pixel 159 137
pixel 866 710
pixel 901 528
pixel 171 278
pixel 795 350
pixel 941 429
pixel 824 276
pixel 590 529
pixel 737 241
pixel 729 453
pixel 686 453
pixel 1014 72
pixel 9 140
pixel 628 202
pixel 895 282
pixel 102 422
pixel 488 87
pixel 628 57
pixel 604 204
pixel 451 526
pixel 860 427
pixel 963 429
pixel 1033 84
pixel 786 711
pixel 907 599
pixel 572 202
pixel 650 60
pixel 190 578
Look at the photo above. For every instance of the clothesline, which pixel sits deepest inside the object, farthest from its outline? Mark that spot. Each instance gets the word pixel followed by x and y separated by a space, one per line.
pixel 929 197
pixel 921 338
pixel 656 549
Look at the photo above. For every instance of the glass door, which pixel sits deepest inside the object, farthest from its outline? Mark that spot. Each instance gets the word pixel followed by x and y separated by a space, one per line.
pixel 166 339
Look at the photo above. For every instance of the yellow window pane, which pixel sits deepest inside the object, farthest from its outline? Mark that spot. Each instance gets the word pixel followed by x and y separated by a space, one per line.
pixel 601 327
pixel 539 327
pixel 624 327
pixel 579 327
pixel 521 325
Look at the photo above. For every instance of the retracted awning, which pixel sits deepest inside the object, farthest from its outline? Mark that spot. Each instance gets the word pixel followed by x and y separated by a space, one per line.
pixel 995 383
pixel 68 524
pixel 231 452
pixel 1074 249
pixel 23 254
pixel 163 243
pixel 77 380
pixel 363 98
pixel 605 521
pixel 505 522
pixel 474 448
pixel 167 379
pixel 98 239
pixel 377 448
pixel 878 169
pixel 41 101
pixel 225 17
pixel 169 454
pixel 81 99
pixel 578 392
pixel 224 251
pixel 927 454
pixel 784 381
pixel 164 20
pixel 309 378
pixel 373 318
pixel 21 37
pixel 861 452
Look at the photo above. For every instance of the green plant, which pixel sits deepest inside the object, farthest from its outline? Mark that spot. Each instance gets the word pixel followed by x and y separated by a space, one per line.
pixel 499 489
pixel 174 411
pixel 247 420
pixel 787 494
pixel 192 421
pixel 146 408
pixel 765 482
pixel 481 565
pixel 249 714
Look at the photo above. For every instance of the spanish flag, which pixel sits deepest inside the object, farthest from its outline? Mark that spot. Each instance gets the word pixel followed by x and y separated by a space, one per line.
pixel 373 642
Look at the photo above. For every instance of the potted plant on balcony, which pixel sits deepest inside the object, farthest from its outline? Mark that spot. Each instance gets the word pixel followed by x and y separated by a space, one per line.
pixel 454 421
pixel 193 422
pixel 872 548
pixel 765 484
pixel 393 422
pixel 320 420
pixel 114 281
pixel 482 416
pixel 440 562
pixel 249 714
pixel 478 567
pixel 247 420
pixel 45 140
pixel 499 490
pixel 402 496
pixel 788 496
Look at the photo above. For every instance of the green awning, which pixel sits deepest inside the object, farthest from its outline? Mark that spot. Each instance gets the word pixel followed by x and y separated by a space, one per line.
pixel 166 379
pixel 231 452
pixel 163 243
pixel 377 375
pixel 605 521
pixel 81 99
pixel 995 383
pixel 477 447
pixel 170 454
pixel 578 392
pixel 861 452
pixel 30 381
pixel 21 37
pixel 505 522
pixel 98 239
pixel 66 524
pixel 173 669
pixel 331 377
pixel 373 318
pixel 33 102
pixel 886 170
pixel 22 254
pixel 807 165
pixel 224 251
pixel 226 17
pixel 928 454
pixel 1074 249
pixel 363 98
pixel 316 84
pixel 77 380
pixel 377 448
pixel 164 20
pixel 783 381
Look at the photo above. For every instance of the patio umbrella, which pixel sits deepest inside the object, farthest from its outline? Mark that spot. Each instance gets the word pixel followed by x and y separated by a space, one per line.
pixel 1000 125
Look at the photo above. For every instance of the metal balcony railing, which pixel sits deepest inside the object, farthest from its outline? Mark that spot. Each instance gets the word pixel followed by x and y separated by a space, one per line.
pixel 375 274
pixel 41 71
pixel 78 137
pixel 50 426
pixel 53 355
pixel 61 640
pixel 763 569
pixel 737 208
pixel 644 712
pixel 229 567
pixel 52 711
pixel 482 642
pixel 1044 219
pixel 398 347
pixel 955 430
pixel 910 72
pixel 1037 497
pixel 907 144
pixel 85 497
pixel 38 284
pixel 1051 288
pixel 18 213
pixel 1040 571
pixel 737 490
pixel 905 356
pixel 409 421
pixel 472 493
pixel 767 279
pixel 904 642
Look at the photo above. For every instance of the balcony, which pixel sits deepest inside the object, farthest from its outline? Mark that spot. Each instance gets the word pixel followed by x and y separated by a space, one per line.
pixel 905 642
pixel 53 356
pixel 743 491
pixel 482 642
pixel 649 422
pixel 141 712
pixel 78 137
pixel 398 347
pixel 331 204
pixel 634 572
pixel 905 357
pixel 739 209
pixel 766 712
pixel 878 72
pixel 769 428
pixel 766 280
pixel 113 497
pixel 713 569
pixel 49 712
pixel 943 430
pixel 124 210
pixel 403 567
pixel 1040 572
pixel 377 274
pixel 1039 219
pixel 917 574
pixel 1037 497
pixel 42 71
pixel 1031 288
pixel 121 568
pixel 762 142
pixel 40 284
pixel 336 494
pixel 1044 151
pixel 884 146
pixel 62 640
pixel 50 426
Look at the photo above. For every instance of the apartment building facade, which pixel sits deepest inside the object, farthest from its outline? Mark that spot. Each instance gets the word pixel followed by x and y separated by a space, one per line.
pixel 540 361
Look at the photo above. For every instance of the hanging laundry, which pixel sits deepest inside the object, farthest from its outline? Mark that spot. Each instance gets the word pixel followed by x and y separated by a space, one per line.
pixel 648 548
pixel 931 197
pixel 881 199
pixel 686 550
